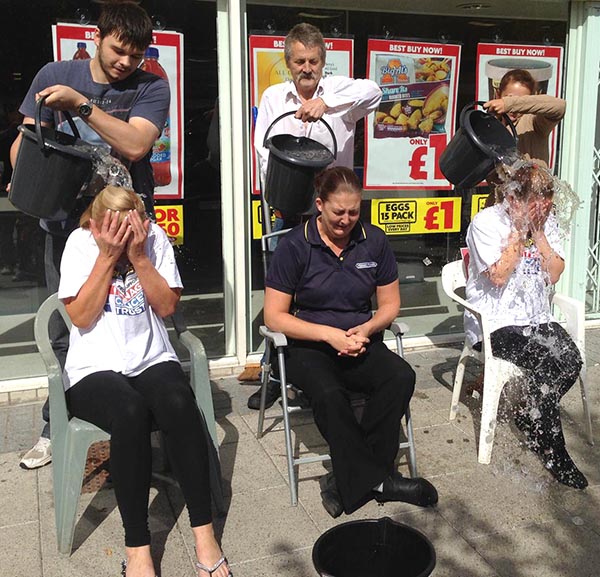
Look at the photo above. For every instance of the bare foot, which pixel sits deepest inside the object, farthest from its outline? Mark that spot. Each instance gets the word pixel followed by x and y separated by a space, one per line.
pixel 209 553
pixel 139 562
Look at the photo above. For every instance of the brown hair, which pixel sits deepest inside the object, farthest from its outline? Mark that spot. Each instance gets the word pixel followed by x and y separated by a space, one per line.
pixel 308 35
pixel 517 75
pixel 336 179
pixel 112 198
pixel 530 181
pixel 127 21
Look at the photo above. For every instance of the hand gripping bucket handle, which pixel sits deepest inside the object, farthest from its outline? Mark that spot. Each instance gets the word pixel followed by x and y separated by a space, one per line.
pixel 38 123
pixel 294 112
pixel 472 133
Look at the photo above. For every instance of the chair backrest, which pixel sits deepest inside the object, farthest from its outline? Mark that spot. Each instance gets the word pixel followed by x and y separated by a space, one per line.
pixel 453 277
pixel 56 392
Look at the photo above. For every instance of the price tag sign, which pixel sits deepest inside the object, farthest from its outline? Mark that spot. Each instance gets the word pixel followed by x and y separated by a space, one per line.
pixel 477 203
pixel 416 215
pixel 170 219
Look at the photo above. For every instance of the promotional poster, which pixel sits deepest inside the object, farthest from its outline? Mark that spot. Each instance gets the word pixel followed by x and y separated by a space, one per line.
pixel 544 63
pixel 406 135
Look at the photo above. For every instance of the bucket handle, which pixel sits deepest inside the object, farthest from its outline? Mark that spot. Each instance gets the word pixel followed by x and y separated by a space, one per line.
pixel 38 123
pixel 473 135
pixel 294 112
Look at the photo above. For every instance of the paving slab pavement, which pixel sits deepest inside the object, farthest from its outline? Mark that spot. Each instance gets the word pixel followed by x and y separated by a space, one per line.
pixel 506 519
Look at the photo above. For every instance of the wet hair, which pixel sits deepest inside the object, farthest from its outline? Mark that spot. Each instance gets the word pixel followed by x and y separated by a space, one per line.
pixel 336 179
pixel 308 35
pixel 127 21
pixel 517 75
pixel 530 181
pixel 112 198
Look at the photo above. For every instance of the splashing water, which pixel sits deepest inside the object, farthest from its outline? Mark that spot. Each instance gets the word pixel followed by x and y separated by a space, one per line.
pixel 110 169
pixel 527 295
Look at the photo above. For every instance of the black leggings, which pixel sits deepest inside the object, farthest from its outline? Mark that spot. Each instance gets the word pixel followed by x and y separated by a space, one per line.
pixel 553 363
pixel 129 408
pixel 362 454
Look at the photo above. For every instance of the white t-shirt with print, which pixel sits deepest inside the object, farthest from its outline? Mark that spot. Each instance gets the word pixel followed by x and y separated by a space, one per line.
pixel 128 336
pixel 525 298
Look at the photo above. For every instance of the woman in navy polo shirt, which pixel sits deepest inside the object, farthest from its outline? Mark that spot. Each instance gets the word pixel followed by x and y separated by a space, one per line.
pixel 318 293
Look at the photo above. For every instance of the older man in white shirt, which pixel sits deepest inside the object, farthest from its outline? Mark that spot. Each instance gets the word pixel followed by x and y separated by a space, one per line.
pixel 338 100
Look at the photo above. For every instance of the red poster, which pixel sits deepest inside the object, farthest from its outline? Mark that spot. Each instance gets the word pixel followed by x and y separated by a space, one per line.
pixel 267 67
pixel 406 135
pixel 543 62
pixel 166 59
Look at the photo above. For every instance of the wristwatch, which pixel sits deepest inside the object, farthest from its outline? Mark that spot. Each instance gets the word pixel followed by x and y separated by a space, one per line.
pixel 85 109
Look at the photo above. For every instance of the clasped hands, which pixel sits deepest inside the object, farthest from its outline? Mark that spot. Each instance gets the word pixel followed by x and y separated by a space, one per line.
pixel 114 238
pixel 350 343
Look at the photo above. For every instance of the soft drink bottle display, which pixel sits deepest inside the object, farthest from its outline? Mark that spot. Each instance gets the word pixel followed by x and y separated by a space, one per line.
pixel 161 151
pixel 82 53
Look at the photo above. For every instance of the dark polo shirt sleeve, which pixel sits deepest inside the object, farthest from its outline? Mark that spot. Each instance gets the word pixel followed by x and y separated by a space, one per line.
pixel 328 289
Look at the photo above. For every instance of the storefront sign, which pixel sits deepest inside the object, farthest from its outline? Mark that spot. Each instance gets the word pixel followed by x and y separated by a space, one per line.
pixel 267 67
pixel 416 215
pixel 406 135
pixel 72 41
pixel 477 203
pixel 170 219
pixel 543 62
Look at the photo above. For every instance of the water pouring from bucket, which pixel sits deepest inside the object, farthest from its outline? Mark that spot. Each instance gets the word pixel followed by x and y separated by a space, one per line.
pixel 293 163
pixel 481 142
pixel 53 169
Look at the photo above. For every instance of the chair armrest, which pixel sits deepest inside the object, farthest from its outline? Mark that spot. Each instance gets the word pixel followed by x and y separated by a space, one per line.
pixel 200 380
pixel 574 313
pixel 399 329
pixel 278 339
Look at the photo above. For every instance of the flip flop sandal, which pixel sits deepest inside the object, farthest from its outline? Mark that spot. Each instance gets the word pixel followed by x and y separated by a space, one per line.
pixel 211 570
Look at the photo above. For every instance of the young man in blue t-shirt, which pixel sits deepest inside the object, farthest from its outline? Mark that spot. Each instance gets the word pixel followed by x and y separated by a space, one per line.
pixel 114 104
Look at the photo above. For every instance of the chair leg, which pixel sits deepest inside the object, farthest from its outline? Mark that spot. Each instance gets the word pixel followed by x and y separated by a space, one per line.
pixel 458 381
pixel 289 449
pixel 492 389
pixel 68 470
pixel 586 408
pixel 266 373
pixel 411 444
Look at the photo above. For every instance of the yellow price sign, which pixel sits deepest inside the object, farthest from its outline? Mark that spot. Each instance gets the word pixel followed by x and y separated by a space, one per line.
pixel 477 203
pixel 416 215
pixel 170 219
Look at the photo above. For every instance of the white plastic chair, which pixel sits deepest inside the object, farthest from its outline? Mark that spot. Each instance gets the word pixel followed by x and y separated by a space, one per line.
pixel 279 343
pixel 497 372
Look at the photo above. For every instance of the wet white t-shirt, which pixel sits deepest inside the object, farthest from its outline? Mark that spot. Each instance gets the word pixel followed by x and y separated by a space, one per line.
pixel 525 298
pixel 128 336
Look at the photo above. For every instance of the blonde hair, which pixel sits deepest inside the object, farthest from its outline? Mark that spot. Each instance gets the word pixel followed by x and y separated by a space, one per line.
pixel 113 198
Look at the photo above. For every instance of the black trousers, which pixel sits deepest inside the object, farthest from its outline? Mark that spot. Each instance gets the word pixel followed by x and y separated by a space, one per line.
pixel 553 362
pixel 362 454
pixel 127 408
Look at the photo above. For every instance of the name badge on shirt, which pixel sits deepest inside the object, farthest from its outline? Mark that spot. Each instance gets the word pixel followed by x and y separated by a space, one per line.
pixel 368 264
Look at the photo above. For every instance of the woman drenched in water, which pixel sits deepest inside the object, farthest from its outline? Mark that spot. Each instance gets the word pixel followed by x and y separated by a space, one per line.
pixel 515 258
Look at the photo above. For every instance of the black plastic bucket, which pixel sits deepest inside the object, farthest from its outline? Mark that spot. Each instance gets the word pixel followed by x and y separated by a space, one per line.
pixel 479 143
pixel 293 163
pixel 49 171
pixel 373 548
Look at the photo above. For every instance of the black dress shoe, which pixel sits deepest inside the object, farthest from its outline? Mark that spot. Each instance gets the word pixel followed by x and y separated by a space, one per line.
pixel 417 491
pixel 330 495
pixel 563 469
pixel 273 393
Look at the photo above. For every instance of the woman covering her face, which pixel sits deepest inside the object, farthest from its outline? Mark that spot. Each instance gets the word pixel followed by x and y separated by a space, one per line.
pixel 516 256
pixel 118 280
